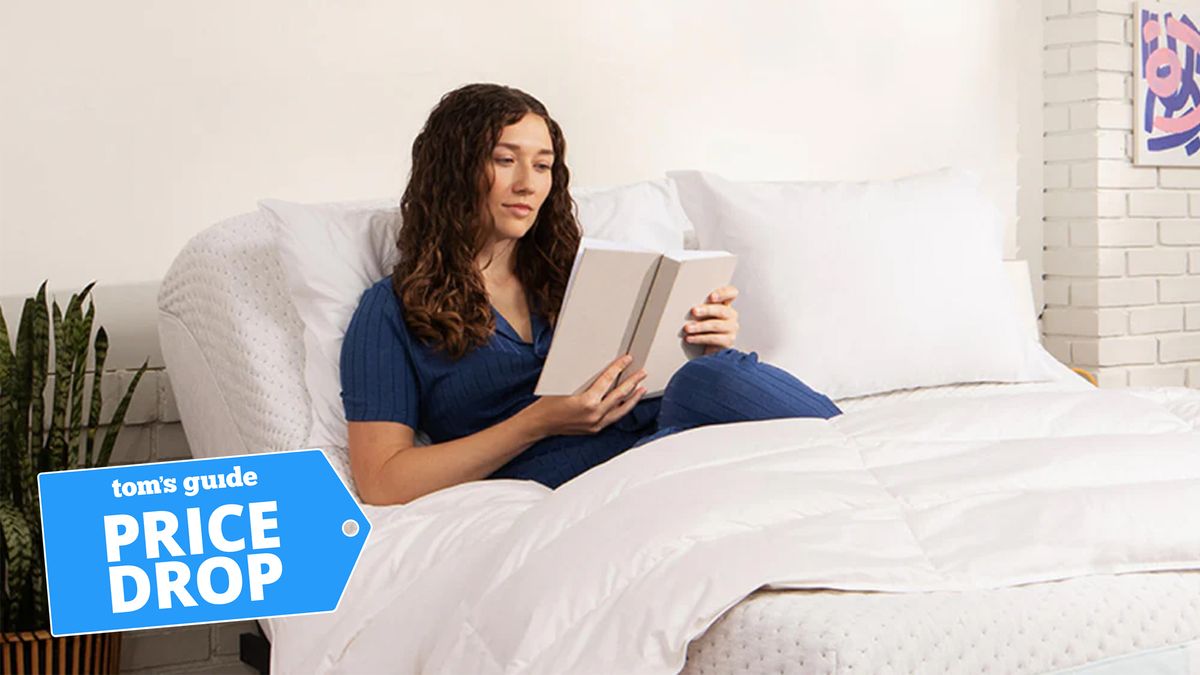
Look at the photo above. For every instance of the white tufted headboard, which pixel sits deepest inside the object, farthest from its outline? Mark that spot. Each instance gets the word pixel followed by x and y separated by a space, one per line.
pixel 231 341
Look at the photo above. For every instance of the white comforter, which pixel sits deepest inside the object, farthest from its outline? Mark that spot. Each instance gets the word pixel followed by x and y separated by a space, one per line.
pixel 619 569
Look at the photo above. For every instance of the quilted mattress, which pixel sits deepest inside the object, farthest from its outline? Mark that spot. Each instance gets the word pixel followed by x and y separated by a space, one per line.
pixel 1036 628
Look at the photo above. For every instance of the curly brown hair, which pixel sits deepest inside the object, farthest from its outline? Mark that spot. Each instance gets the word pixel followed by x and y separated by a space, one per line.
pixel 446 225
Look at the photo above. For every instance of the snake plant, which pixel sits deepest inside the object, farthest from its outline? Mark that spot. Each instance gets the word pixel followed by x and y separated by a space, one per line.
pixel 32 441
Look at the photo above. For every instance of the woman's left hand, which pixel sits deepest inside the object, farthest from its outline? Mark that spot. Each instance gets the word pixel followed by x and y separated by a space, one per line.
pixel 716 323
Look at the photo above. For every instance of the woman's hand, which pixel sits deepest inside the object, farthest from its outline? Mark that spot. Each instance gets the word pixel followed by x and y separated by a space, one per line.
pixel 717 323
pixel 593 409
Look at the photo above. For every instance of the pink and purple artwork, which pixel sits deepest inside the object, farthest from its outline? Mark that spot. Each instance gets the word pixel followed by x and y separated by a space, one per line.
pixel 1166 88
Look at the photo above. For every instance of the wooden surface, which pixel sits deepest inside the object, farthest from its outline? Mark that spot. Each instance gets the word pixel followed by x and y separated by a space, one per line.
pixel 40 652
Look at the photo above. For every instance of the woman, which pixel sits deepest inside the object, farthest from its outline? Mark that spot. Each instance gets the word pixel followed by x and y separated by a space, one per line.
pixel 454 340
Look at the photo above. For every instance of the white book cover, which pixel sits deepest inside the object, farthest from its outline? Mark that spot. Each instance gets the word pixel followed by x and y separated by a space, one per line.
pixel 626 299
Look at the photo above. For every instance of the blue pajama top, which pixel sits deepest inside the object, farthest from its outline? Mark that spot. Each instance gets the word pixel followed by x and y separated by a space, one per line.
pixel 389 375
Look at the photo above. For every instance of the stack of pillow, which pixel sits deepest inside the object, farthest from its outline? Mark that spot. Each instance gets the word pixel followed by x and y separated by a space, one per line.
pixel 855 287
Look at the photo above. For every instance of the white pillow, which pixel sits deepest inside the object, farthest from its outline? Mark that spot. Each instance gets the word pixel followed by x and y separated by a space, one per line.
pixel 865 287
pixel 332 252
pixel 647 213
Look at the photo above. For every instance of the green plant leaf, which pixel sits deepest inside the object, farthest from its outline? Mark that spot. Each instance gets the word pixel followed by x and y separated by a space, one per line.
pixel 67 341
pixel 62 391
pixel 8 420
pixel 79 350
pixel 6 355
pixel 18 557
pixel 101 354
pixel 24 489
pixel 41 362
pixel 118 417
pixel 76 302
pixel 41 610
pixel 23 359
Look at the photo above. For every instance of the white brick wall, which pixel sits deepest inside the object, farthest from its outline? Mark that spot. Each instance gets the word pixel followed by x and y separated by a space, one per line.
pixel 1157 376
pixel 1114 232
pixel 1192 318
pixel 1122 242
pixel 186 649
pixel 1115 351
pixel 1156 262
pixel 1181 289
pixel 1176 348
pixel 1158 204
pixel 1179 233
pixel 1158 319
pixel 1113 292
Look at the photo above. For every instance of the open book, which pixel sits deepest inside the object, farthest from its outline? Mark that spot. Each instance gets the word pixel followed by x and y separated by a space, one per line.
pixel 624 299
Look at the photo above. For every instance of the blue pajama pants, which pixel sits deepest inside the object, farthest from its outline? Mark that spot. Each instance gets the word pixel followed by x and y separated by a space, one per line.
pixel 733 386
pixel 726 386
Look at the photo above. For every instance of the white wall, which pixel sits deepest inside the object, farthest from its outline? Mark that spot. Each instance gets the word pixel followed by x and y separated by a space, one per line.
pixel 128 126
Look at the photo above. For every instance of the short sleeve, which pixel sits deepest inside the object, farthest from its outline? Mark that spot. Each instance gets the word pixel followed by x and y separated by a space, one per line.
pixel 379 380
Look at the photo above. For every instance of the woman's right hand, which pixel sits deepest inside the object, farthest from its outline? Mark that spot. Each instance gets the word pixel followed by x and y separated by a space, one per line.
pixel 592 410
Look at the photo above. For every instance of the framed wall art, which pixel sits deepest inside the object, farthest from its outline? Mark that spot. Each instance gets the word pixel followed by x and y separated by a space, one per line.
pixel 1166 84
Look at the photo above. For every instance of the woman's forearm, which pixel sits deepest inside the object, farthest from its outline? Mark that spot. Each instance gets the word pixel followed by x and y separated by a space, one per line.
pixel 417 471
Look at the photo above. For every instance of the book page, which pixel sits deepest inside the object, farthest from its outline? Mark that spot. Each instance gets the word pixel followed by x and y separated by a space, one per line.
pixel 605 295
pixel 689 254
pixel 586 243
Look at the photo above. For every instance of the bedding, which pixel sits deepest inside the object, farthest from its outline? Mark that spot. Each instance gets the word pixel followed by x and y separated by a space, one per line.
pixel 646 213
pixel 961 494
pixel 895 283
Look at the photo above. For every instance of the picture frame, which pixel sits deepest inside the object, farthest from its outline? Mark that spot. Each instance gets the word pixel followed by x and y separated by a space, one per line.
pixel 1166 84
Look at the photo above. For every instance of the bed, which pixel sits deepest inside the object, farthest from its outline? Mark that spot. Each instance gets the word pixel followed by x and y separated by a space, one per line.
pixel 1126 623
pixel 234 345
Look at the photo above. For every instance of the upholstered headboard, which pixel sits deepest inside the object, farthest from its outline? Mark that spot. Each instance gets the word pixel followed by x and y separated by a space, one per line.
pixel 231 341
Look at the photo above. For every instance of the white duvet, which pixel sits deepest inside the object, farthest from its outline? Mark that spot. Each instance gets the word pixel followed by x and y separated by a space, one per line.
pixel 619 569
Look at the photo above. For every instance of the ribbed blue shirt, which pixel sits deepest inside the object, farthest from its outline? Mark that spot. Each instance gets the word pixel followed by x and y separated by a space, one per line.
pixel 389 375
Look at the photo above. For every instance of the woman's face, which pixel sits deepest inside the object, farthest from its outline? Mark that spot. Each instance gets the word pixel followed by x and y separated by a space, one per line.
pixel 520 176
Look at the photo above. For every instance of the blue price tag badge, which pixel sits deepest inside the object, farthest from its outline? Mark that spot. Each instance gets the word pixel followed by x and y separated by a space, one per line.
pixel 197 541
